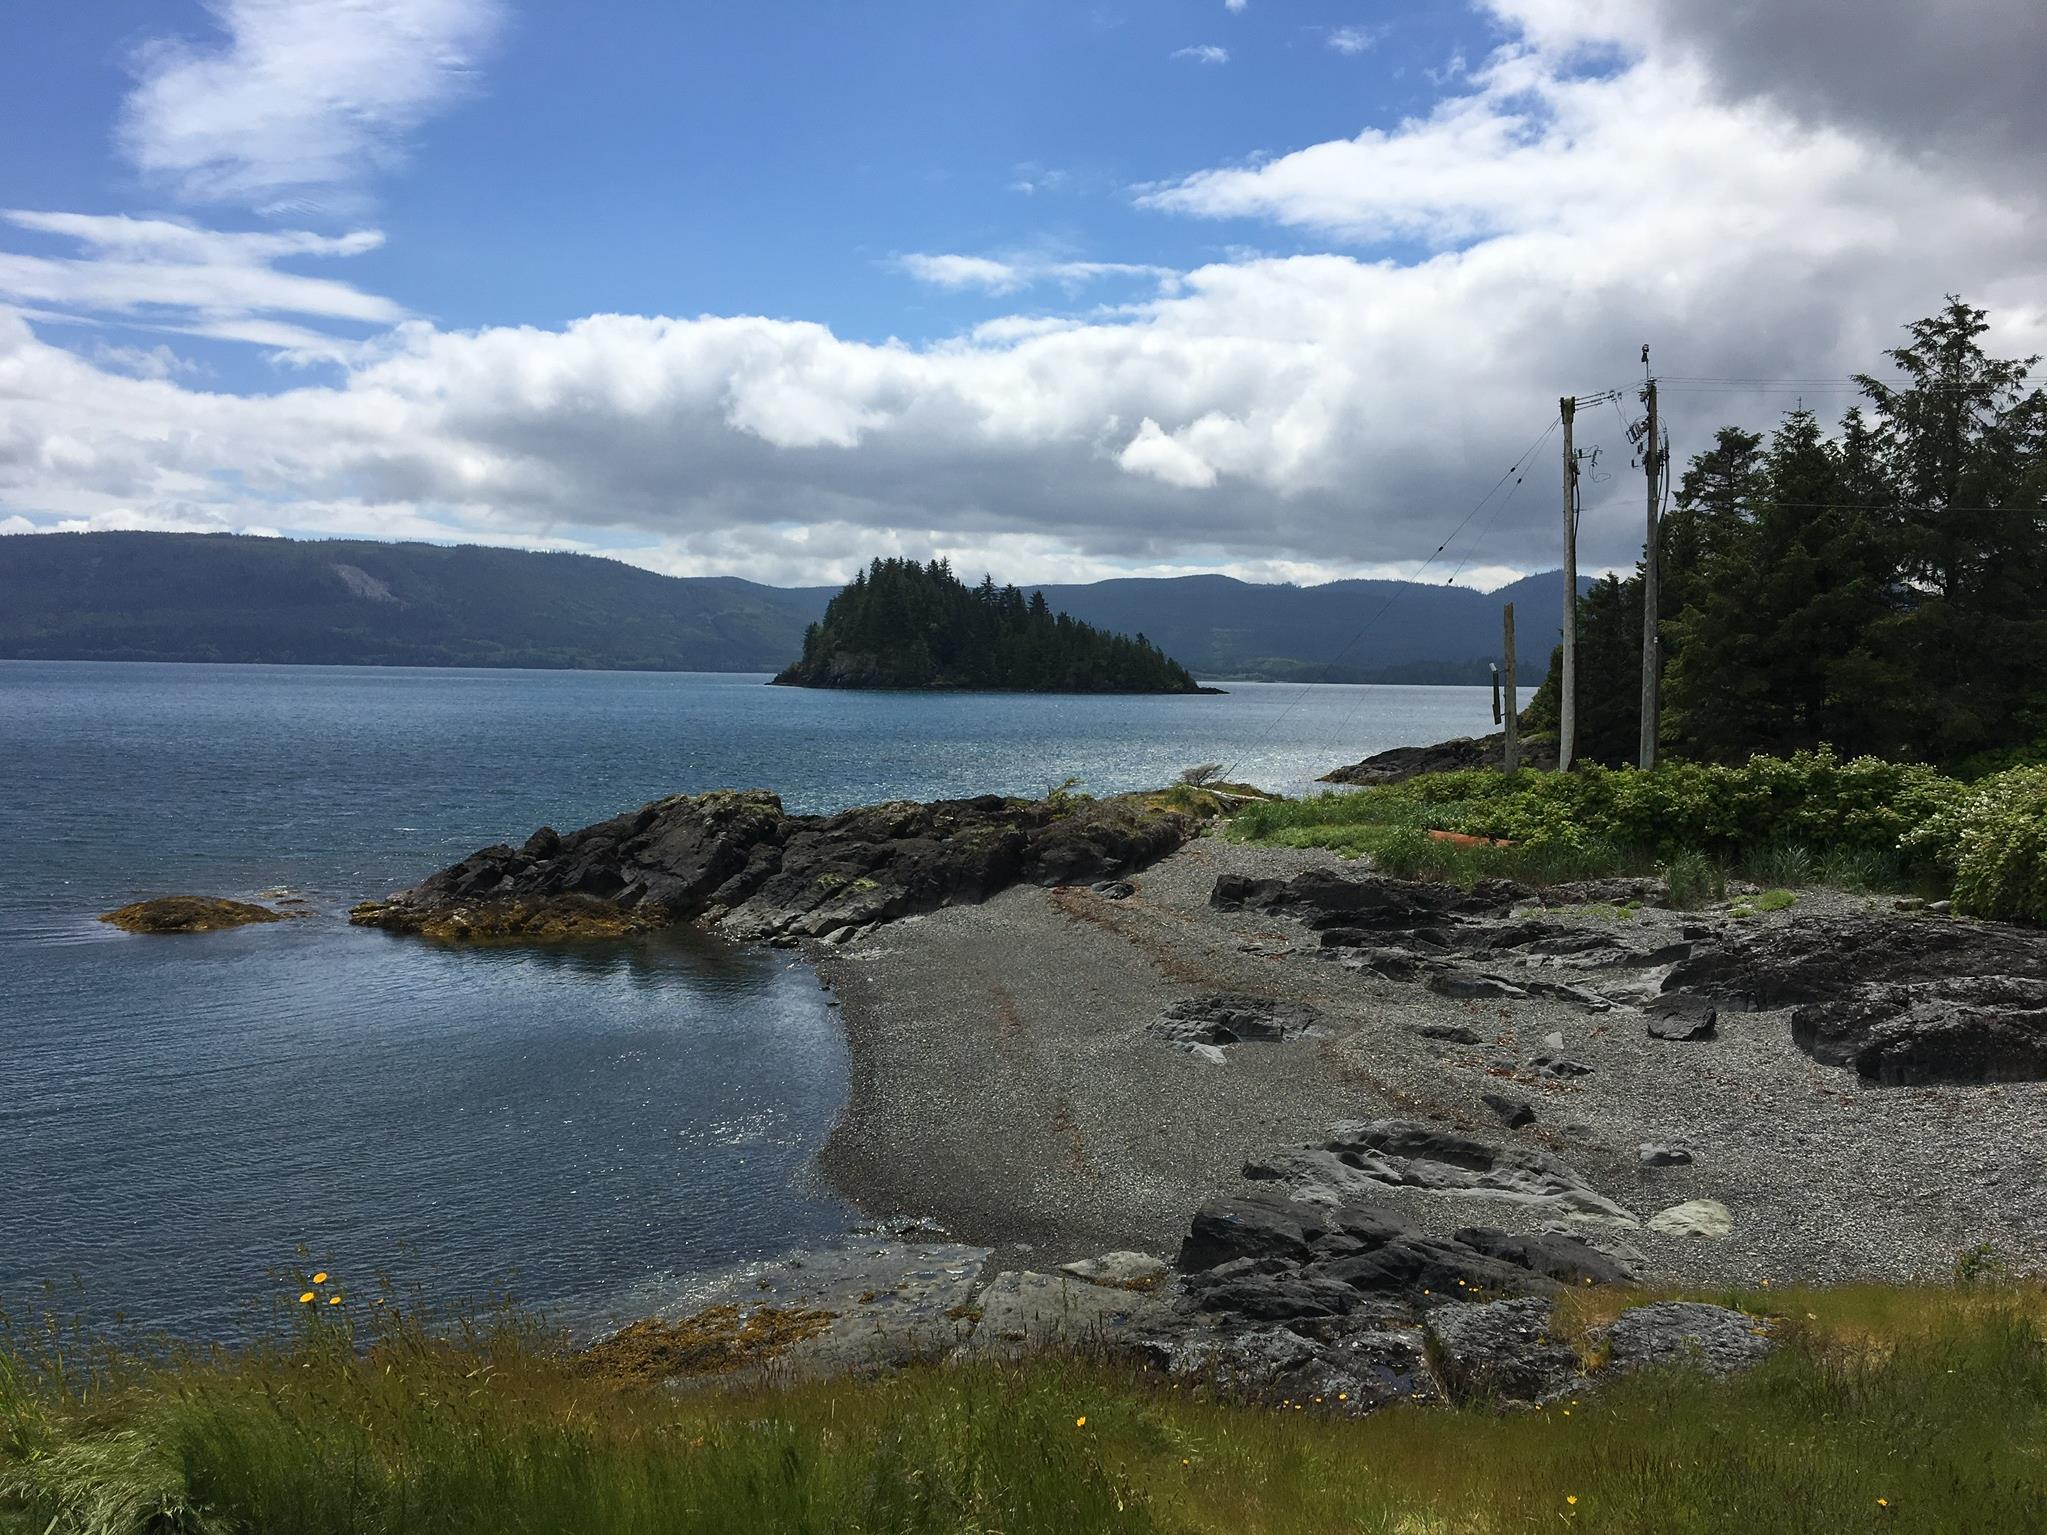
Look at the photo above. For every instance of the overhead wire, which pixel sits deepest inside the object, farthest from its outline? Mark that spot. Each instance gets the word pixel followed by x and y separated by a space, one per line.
pixel 1369 624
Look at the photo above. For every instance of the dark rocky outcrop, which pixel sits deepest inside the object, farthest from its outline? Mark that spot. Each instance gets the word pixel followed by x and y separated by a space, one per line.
pixel 1990 1028
pixel 1513 1112
pixel 1267 1257
pixel 1508 1351
pixel 736 859
pixel 1405 762
pixel 1336 1305
pixel 1679 1015
pixel 187 914
pixel 1502 1351
pixel 1827 958
pixel 1900 999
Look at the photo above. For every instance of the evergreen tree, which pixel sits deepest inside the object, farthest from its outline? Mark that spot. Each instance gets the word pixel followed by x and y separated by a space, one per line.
pixel 901 624
pixel 1878 591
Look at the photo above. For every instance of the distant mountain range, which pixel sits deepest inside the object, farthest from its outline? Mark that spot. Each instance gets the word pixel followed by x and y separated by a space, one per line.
pixel 221 597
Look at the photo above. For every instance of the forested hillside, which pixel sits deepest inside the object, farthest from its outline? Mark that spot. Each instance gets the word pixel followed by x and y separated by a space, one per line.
pixel 1342 631
pixel 181 597
pixel 221 597
pixel 1879 588
pixel 899 624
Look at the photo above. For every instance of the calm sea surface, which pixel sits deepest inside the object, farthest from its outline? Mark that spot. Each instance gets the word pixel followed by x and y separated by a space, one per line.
pixel 180 1117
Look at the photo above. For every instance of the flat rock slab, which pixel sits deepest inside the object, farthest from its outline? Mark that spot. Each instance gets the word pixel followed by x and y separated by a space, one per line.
pixel 1406 1154
pixel 1025 1313
pixel 1682 1017
pixel 1120 1270
pixel 1221 1018
pixel 888 1303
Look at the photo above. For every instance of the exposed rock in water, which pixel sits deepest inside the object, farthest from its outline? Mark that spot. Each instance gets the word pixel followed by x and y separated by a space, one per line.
pixel 188 914
pixel 1405 762
pixel 736 859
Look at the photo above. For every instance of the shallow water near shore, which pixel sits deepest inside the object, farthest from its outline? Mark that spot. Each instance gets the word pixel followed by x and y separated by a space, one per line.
pixel 179 1116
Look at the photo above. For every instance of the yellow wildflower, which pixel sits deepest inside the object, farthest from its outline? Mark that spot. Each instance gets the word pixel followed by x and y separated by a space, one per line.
pixel 306 1299
pixel 333 1300
pixel 1571 1498
pixel 1080 1423
pixel 321 1277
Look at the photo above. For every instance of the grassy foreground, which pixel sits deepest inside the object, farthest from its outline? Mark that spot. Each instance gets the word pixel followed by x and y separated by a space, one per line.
pixel 1916 1409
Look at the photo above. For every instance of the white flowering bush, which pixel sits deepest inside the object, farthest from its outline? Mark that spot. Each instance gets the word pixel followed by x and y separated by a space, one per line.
pixel 1993 840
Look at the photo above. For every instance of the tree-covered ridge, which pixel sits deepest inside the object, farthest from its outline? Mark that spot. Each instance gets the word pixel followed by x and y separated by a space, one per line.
pixel 901 624
pixel 1879 589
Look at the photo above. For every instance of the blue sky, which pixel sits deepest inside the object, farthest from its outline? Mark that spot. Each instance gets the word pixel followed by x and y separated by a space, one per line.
pixel 1276 288
pixel 740 158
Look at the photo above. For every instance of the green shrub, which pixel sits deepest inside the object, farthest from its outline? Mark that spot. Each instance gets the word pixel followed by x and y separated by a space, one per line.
pixel 1776 900
pixel 1993 840
pixel 1771 813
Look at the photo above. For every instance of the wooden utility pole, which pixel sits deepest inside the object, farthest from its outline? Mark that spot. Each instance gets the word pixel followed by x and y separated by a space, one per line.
pixel 1652 458
pixel 1511 757
pixel 1567 699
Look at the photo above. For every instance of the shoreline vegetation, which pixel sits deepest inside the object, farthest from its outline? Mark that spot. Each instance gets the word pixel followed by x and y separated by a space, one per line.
pixel 900 625
pixel 1885 1408
pixel 1811 817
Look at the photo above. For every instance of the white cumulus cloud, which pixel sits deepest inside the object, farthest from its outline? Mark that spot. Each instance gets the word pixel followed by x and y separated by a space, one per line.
pixel 1317 414
pixel 301 100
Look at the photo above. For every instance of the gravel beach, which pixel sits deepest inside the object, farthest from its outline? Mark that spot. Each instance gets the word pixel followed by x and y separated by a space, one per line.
pixel 1007 1085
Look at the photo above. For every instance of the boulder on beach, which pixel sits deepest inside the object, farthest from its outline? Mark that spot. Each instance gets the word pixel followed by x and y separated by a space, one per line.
pixel 187 914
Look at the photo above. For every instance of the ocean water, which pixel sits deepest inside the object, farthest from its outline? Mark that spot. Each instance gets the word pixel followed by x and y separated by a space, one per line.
pixel 183 1120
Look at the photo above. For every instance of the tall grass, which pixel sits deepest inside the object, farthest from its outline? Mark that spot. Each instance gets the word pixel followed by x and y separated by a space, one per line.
pixel 1934 1400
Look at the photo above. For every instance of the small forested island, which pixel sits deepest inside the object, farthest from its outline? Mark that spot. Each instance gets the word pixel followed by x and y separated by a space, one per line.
pixel 901 624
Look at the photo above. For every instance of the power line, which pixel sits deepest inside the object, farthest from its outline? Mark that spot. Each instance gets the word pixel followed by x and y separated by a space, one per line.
pixel 1512 470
